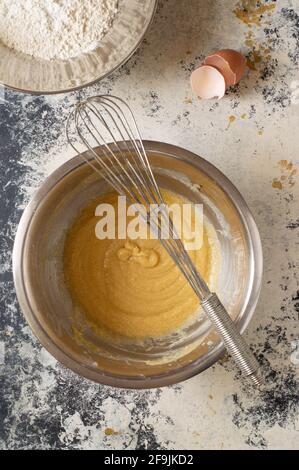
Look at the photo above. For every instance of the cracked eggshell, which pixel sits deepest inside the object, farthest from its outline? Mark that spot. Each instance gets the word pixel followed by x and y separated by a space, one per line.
pixel 231 64
pixel 207 82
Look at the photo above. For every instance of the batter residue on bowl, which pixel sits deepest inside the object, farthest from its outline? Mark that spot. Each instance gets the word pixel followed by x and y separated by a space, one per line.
pixel 128 287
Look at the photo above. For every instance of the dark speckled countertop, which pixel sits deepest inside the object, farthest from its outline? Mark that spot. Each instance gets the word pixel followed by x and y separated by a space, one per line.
pixel 45 406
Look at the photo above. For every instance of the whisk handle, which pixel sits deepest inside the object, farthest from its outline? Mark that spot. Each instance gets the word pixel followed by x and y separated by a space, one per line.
pixel 234 342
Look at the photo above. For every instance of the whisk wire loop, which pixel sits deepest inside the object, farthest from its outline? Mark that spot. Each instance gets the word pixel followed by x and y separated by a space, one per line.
pixel 108 122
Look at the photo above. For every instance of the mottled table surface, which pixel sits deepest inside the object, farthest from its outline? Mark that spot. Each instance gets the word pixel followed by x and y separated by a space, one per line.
pixel 252 135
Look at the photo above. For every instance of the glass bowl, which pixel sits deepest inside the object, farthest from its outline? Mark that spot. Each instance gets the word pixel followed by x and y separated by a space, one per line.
pixel 28 74
pixel 49 309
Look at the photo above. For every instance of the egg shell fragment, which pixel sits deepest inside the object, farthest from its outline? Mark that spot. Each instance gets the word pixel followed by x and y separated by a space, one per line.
pixel 207 82
pixel 231 64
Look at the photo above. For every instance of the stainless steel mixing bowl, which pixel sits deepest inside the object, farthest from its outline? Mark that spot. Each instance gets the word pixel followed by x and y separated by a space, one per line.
pixel 28 74
pixel 48 307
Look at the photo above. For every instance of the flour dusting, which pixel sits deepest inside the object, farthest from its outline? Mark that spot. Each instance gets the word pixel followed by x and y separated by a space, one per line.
pixel 55 29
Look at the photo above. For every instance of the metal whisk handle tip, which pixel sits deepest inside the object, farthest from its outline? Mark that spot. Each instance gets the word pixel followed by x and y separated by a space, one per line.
pixel 233 340
pixel 257 381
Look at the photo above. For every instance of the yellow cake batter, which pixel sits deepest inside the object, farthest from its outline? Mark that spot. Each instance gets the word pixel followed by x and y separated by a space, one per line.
pixel 128 287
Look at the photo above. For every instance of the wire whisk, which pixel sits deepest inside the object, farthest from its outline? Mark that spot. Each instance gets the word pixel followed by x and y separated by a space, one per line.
pixel 106 127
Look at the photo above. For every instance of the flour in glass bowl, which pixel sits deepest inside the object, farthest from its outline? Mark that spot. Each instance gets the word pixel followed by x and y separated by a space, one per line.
pixel 55 29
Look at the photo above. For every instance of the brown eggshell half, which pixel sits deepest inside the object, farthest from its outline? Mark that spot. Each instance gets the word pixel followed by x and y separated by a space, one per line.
pixel 230 63
pixel 223 67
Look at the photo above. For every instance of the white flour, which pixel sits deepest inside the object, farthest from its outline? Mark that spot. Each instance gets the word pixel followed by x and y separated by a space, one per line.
pixel 52 29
